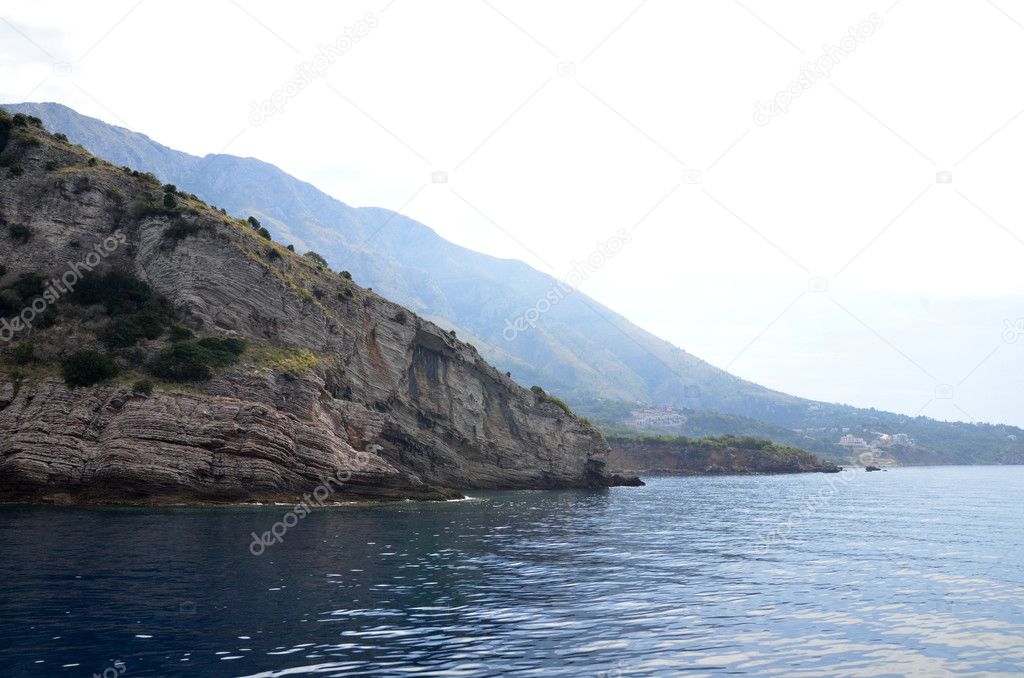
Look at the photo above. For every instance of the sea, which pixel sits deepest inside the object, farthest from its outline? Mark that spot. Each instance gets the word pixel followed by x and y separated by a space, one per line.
pixel 905 572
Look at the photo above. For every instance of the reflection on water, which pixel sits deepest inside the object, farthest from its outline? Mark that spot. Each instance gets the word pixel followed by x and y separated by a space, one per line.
pixel 912 572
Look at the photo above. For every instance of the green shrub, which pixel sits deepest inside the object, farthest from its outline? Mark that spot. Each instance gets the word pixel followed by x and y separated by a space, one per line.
pixel 60 136
pixel 179 333
pixel 120 292
pixel 15 170
pixel 85 368
pixel 346 275
pixel 170 188
pixel 24 354
pixel 51 165
pixel 147 208
pixel 170 202
pixel 20 232
pixel 92 162
pixel 195 361
pixel 143 387
pixel 181 229
pixel 316 259
pixel 28 286
pixel 47 319
pixel 5 131
pixel 137 312
pixel 223 351
pixel 264 233
pixel 20 120
pixel 126 331
pixel 182 362
pixel 291 248
pixel 255 223
pixel 10 304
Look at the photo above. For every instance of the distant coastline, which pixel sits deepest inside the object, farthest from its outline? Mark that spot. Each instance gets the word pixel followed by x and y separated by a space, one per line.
pixel 722 455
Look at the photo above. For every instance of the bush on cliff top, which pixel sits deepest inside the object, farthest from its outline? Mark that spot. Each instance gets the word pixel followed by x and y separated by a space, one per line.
pixel 20 232
pixel 85 368
pixel 196 360
pixel 126 331
pixel 182 362
pixel 317 259
pixel 119 292
pixel 5 131
pixel 223 351
pixel 137 312
pixel 23 354
pixel 143 387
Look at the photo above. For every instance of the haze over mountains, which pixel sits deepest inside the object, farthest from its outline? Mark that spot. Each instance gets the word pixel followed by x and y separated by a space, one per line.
pixel 593 357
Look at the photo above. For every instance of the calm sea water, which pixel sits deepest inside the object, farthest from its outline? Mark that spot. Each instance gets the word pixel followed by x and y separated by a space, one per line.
pixel 907 572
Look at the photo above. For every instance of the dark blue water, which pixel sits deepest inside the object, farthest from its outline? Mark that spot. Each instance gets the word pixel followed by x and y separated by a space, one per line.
pixel 909 572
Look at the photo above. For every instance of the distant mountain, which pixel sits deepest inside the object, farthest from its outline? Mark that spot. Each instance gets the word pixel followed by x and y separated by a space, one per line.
pixel 580 349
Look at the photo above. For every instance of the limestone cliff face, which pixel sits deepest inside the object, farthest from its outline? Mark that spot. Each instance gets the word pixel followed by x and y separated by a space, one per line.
pixel 336 380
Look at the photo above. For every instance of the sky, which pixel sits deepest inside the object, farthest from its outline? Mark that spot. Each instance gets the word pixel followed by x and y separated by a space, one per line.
pixel 825 195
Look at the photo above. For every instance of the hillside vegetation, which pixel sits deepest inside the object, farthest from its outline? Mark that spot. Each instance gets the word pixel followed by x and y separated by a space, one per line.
pixel 711 456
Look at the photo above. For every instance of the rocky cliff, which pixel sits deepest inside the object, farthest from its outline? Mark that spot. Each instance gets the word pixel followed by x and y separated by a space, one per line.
pixel 333 380
pixel 711 456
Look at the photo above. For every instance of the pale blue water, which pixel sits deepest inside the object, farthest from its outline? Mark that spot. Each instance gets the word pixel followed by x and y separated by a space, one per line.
pixel 909 572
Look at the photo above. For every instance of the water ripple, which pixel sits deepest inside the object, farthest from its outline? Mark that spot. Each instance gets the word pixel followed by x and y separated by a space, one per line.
pixel 915 572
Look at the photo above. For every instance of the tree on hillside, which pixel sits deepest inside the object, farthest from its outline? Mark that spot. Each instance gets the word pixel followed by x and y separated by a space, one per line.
pixel 316 259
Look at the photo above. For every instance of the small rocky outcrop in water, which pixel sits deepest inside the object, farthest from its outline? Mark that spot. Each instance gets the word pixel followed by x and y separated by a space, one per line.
pixel 220 366
pixel 710 456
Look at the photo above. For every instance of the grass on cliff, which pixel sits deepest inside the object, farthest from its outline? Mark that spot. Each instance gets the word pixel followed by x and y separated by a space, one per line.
pixel 546 398
pixel 266 359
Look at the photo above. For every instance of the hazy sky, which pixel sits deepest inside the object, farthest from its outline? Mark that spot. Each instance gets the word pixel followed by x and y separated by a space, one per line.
pixel 810 245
